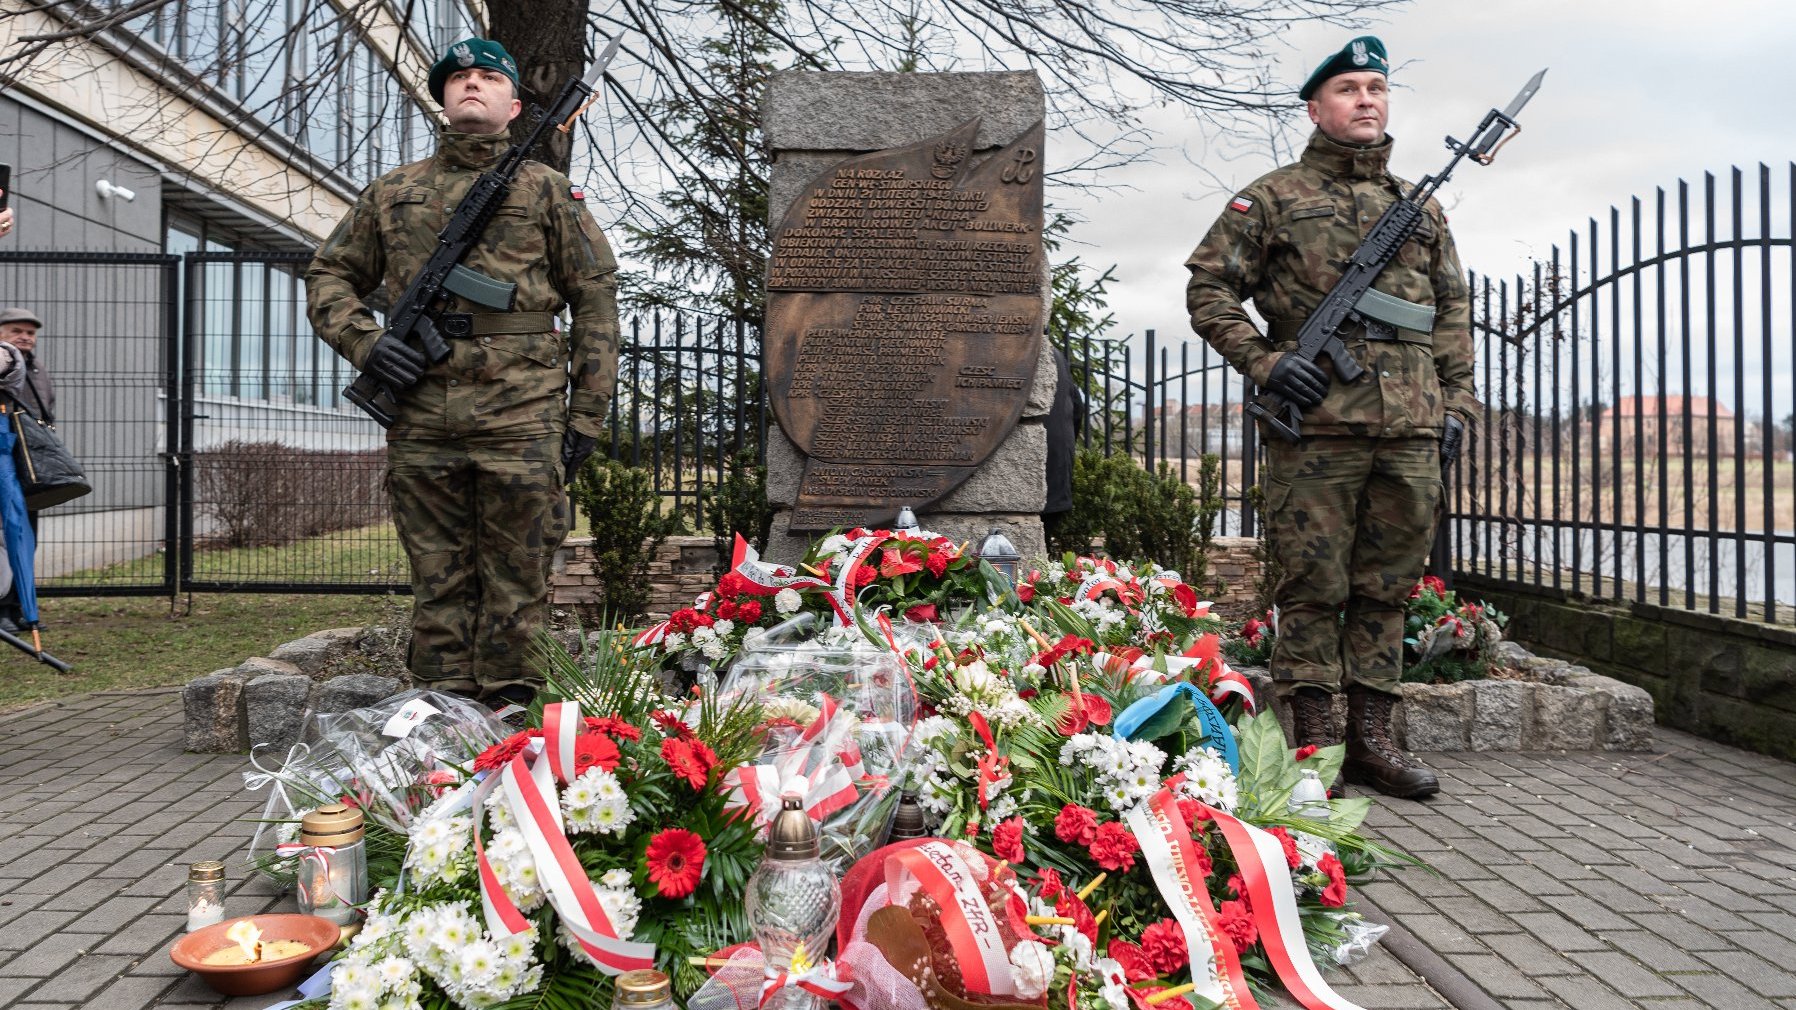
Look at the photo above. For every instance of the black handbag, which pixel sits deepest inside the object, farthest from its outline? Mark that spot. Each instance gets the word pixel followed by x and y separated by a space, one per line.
pixel 48 474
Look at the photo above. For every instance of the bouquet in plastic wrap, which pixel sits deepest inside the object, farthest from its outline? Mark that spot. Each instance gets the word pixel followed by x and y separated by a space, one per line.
pixel 838 714
pixel 391 759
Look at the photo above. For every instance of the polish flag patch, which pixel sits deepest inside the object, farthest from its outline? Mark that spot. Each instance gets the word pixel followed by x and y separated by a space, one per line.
pixel 1241 203
pixel 577 192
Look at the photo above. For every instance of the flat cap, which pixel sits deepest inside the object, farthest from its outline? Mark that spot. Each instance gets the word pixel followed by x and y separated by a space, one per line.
pixel 18 315
pixel 1363 53
pixel 474 52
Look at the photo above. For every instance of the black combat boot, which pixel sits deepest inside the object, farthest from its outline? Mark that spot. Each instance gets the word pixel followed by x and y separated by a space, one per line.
pixel 1373 757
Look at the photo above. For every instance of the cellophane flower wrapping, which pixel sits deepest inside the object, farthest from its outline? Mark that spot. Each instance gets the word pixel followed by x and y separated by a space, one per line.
pixel 391 759
pixel 838 713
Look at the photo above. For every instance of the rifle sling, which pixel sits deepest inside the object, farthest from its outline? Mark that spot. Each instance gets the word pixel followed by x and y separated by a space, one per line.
pixel 487 324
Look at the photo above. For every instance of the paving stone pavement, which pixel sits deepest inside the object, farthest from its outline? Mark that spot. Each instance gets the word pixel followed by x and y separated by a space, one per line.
pixel 100 814
pixel 1595 881
pixel 1663 880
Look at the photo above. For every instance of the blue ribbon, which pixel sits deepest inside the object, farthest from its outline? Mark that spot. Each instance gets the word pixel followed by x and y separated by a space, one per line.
pixel 312 988
pixel 1216 729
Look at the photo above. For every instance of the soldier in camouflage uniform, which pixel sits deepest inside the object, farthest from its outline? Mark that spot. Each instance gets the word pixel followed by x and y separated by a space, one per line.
pixel 484 441
pixel 1350 509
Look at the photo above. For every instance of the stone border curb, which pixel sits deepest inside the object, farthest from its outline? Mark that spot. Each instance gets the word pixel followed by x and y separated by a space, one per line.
pixel 265 699
pixel 1568 708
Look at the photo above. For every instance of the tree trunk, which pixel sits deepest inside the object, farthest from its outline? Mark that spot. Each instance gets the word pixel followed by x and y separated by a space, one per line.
pixel 548 39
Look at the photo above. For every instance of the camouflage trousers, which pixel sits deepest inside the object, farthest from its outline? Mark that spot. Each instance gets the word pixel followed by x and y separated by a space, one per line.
pixel 1350 520
pixel 480 519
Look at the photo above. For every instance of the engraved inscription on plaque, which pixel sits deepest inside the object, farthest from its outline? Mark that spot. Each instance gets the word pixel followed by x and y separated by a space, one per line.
pixel 904 321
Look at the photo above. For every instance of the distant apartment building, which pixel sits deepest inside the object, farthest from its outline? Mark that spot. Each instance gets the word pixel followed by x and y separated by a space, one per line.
pixel 217 127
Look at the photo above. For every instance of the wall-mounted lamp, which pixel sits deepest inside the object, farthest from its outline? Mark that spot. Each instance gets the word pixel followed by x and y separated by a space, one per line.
pixel 108 189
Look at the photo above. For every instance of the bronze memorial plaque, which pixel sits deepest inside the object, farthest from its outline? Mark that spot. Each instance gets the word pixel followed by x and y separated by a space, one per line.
pixel 904 319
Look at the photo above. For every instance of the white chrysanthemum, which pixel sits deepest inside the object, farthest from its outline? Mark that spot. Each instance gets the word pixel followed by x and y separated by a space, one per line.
pixel 835 543
pixel 622 907
pixel 787 601
pixel 1033 968
pixel 479 960
pixel 394 971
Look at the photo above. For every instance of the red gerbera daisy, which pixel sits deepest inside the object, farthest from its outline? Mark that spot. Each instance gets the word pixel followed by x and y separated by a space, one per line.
pixel 594 750
pixel 500 754
pixel 691 761
pixel 672 725
pixel 612 726
pixel 675 860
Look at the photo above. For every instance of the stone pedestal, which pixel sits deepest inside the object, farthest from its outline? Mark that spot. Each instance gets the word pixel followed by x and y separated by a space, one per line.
pixel 815 120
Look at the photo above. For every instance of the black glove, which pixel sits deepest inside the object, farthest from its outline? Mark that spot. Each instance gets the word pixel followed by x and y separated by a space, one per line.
pixel 575 448
pixel 393 363
pixel 1297 380
pixel 1452 434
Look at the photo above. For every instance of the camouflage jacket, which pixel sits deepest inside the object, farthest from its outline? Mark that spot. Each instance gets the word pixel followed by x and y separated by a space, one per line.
pixel 1280 242
pixel 542 238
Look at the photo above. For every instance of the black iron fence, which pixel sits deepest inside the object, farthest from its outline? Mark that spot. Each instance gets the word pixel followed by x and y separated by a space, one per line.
pixel 211 421
pixel 1637 438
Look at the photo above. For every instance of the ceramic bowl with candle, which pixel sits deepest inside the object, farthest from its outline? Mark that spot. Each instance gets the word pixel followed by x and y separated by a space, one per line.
pixel 256 954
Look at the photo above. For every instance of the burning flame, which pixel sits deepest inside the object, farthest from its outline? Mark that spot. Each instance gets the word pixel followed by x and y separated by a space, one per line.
pixel 247 936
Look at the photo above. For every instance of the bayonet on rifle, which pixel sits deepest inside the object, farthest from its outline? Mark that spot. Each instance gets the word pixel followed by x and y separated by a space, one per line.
pixel 414 318
pixel 1351 299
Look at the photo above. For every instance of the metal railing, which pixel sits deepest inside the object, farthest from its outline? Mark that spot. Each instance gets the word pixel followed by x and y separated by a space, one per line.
pixel 1638 438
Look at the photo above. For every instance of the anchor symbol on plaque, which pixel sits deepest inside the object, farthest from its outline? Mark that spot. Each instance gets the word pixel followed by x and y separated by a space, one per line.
pixel 1021 168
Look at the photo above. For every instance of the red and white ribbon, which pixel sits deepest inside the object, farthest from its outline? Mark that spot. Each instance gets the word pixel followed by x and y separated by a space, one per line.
pixel 1205 653
pixel 318 854
pixel 1273 898
pixel 825 769
pixel 759 578
pixel 972 929
pixel 821 981
pixel 1171 856
pixel 843 592
pixel 528 791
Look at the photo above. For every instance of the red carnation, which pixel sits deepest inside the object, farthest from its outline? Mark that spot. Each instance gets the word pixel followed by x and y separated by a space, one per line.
pixel 1335 894
pixel 1050 885
pixel 500 754
pixel 690 760
pixel 1025 592
pixel 594 750
pixel 1292 856
pixel 1135 965
pixel 1076 825
pixel 921 612
pixel 748 612
pixel 1163 944
pixel 731 585
pixel 1304 752
pixel 1007 840
pixel 864 575
pixel 675 859
pixel 1237 924
pixel 612 726
pixel 1114 847
pixel 937 563
pixel 672 725
pixel 1238 886
pixel 727 609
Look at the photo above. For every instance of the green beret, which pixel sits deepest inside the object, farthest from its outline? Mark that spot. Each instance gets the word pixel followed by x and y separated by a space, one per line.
pixel 1363 53
pixel 471 53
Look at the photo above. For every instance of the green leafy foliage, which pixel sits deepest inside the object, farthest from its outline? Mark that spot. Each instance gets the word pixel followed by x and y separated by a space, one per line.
pixel 738 505
pixel 1138 514
pixel 624 515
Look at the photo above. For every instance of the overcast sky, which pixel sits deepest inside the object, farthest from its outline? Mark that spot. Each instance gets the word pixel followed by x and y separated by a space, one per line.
pixel 1639 93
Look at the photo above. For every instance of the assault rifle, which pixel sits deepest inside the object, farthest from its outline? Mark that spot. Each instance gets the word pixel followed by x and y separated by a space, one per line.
pixel 1352 299
pixel 414 317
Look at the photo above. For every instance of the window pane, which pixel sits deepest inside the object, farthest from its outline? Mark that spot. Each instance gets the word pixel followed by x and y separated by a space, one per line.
pixel 251 331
